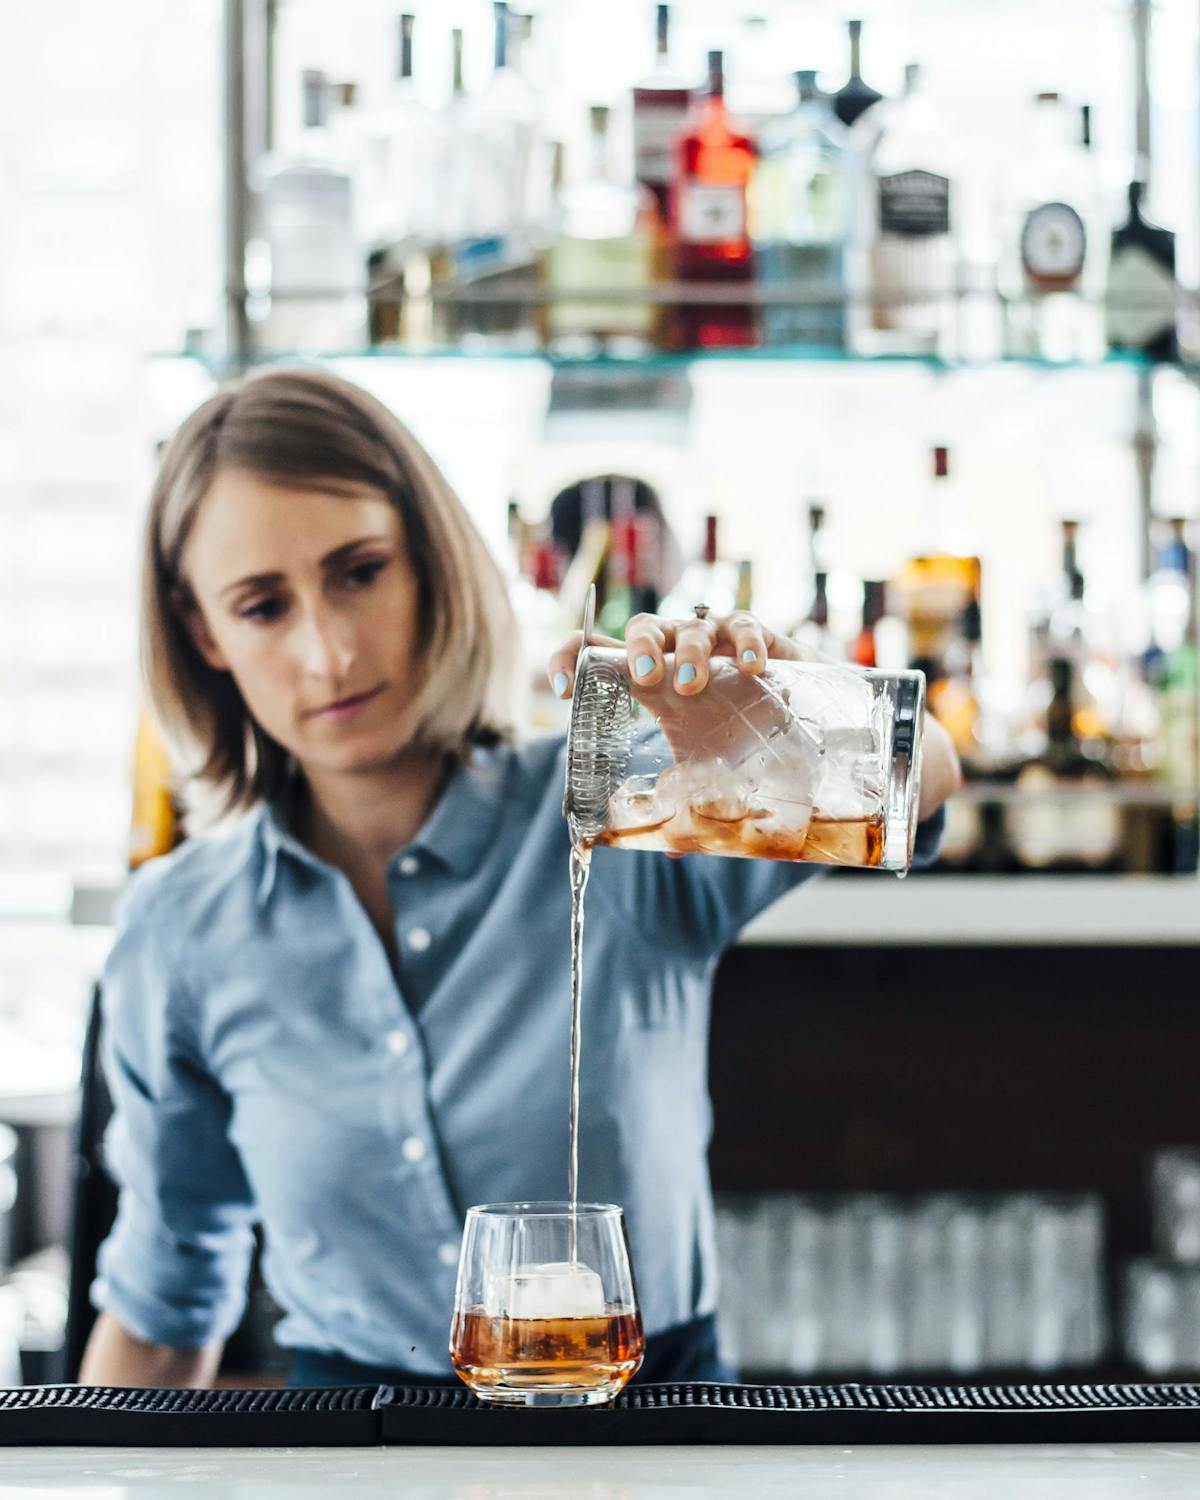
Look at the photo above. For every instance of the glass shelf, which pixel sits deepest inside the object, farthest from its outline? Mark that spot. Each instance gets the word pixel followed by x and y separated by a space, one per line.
pixel 664 361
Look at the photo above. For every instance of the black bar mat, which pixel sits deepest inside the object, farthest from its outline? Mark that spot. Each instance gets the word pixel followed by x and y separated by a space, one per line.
pixel 121 1416
pixel 701 1413
pixel 367 1416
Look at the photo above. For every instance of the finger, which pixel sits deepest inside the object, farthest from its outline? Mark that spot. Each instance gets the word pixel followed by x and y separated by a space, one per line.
pixel 646 644
pixel 743 636
pixel 694 642
pixel 561 667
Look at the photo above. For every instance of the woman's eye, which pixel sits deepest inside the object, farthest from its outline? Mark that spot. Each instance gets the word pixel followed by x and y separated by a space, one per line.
pixel 365 573
pixel 265 609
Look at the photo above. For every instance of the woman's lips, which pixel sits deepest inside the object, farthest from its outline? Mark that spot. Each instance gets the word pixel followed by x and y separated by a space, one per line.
pixel 345 707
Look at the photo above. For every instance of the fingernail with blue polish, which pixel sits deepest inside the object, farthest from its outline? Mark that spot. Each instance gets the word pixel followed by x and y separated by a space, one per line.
pixel 748 655
pixel 560 683
pixel 686 674
pixel 644 666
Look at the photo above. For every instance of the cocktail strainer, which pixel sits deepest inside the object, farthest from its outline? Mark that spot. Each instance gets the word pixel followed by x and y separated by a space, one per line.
pixel 599 740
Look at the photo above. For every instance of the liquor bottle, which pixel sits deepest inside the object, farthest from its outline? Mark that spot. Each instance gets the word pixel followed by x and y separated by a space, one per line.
pixel 155 826
pixel 541 625
pixel 579 524
pixel 1064 817
pixel 396 159
pixel 400 185
pixel 503 127
pixel 604 243
pixel 1176 685
pixel 646 562
pixel 801 205
pixel 911 256
pixel 954 696
pixel 759 92
pixel 308 267
pixel 1140 304
pixel 1053 269
pixel 855 96
pixel 709 579
pixel 743 595
pixel 814 629
pixel 934 588
pixel 862 652
pixel 714 163
pixel 619 605
pixel 661 105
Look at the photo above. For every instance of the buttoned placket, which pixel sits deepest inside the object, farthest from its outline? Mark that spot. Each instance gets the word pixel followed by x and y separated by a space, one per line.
pixel 413 1138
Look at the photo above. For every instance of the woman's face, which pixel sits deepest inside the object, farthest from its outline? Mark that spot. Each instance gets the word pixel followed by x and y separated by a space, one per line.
pixel 309 600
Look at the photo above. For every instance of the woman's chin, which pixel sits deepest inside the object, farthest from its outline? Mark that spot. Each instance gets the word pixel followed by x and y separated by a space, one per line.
pixel 369 752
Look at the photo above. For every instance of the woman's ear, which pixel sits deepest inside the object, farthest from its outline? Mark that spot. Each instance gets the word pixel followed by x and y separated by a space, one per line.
pixel 202 639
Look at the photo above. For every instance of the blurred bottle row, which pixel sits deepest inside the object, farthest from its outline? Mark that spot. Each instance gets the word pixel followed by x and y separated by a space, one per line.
pixel 1161 1292
pixel 844 220
pixel 938 1283
pixel 1090 764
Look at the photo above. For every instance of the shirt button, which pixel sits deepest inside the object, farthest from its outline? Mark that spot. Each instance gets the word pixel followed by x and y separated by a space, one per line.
pixel 397 1043
pixel 448 1254
pixel 413 1149
pixel 419 939
pixel 409 865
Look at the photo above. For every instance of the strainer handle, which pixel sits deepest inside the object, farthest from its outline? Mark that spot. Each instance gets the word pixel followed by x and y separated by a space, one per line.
pixel 589 615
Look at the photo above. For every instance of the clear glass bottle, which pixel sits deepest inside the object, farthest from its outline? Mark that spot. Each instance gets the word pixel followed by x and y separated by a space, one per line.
pixel 1052 270
pixel 909 227
pixel 709 579
pixel 307 269
pixel 662 104
pixel 759 90
pixel 604 242
pixel 801 205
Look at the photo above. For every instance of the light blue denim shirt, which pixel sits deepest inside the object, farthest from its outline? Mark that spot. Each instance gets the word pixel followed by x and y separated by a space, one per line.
pixel 267 1065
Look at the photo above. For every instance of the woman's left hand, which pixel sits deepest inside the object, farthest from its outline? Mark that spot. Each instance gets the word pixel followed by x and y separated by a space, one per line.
pixel 650 638
pixel 751 644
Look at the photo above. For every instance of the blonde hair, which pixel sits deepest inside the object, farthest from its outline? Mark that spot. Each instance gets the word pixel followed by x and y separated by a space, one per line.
pixel 307 425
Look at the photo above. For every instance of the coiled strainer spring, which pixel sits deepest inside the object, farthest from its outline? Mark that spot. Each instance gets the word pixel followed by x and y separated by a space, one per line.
pixel 599 740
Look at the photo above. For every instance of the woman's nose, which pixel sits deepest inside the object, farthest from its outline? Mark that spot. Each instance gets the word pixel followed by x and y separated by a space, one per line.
pixel 327 645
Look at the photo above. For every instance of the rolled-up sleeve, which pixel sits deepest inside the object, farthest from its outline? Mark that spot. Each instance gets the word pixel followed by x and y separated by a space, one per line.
pixel 174 1268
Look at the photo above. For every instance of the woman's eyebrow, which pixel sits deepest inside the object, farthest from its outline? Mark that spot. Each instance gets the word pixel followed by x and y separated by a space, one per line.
pixel 328 560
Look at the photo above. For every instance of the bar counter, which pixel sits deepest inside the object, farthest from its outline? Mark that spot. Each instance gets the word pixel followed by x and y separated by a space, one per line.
pixel 967 1472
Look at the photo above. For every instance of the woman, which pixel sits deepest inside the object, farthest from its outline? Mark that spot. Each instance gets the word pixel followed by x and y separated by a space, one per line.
pixel 346 1017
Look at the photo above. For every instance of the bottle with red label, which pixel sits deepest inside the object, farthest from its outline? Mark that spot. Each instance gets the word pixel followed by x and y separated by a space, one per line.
pixel 714 163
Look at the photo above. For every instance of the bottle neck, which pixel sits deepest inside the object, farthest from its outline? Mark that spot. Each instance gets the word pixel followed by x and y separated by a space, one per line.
pixel 456 50
pixel 405 68
pixel 314 101
pixel 710 540
pixel 1060 732
pixel 500 52
pixel 599 143
pixel 716 78
pixel 819 613
pixel 662 33
pixel 855 49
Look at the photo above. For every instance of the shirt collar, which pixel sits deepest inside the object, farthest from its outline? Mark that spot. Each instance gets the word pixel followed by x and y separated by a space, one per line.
pixel 456 833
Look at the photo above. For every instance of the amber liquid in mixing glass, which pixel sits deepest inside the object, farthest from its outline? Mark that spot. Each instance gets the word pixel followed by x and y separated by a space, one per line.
pixel 546 1353
pixel 825 841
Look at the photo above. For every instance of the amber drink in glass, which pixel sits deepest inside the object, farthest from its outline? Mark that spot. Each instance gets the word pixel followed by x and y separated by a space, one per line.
pixel 545 1310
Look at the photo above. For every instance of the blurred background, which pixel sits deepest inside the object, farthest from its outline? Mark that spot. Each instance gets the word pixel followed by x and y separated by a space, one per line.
pixel 881 320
